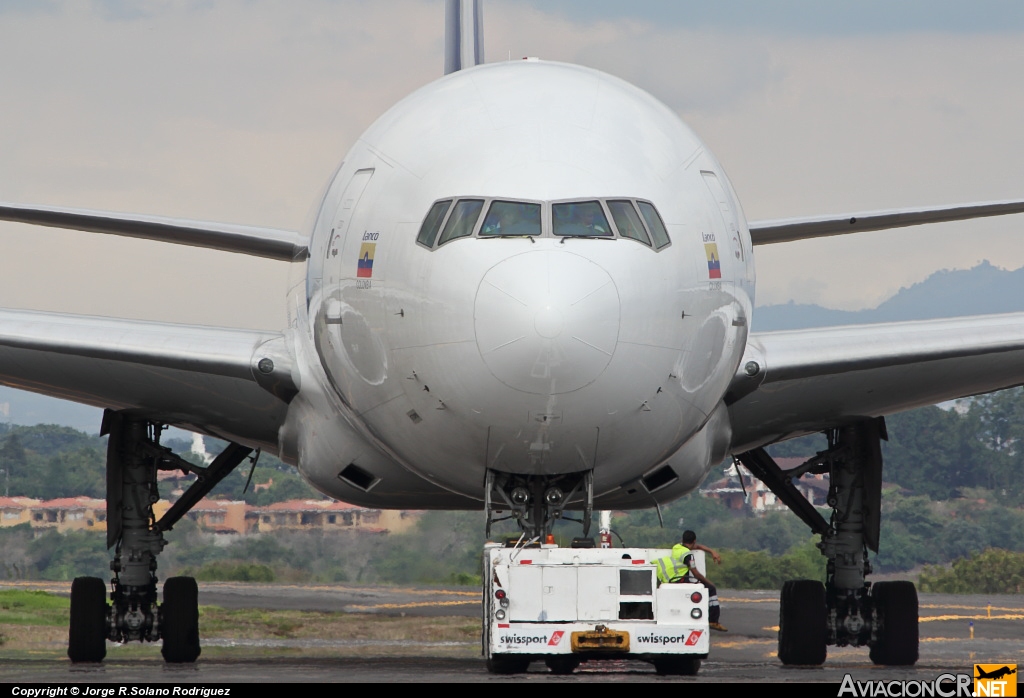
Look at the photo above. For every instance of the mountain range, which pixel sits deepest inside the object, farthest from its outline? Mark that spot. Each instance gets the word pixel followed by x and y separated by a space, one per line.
pixel 983 290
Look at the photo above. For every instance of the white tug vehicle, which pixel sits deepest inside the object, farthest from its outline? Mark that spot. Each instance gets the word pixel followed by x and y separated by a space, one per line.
pixel 569 605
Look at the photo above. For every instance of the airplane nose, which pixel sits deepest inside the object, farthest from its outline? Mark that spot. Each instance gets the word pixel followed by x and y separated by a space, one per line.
pixel 547 322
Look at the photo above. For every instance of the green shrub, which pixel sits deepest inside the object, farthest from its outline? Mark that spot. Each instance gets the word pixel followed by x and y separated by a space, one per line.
pixel 745 569
pixel 993 571
pixel 464 579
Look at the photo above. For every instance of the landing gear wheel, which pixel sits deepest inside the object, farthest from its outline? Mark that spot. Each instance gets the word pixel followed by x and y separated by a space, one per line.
pixel 507 664
pixel 562 665
pixel 896 609
pixel 677 666
pixel 180 620
pixel 802 630
pixel 87 636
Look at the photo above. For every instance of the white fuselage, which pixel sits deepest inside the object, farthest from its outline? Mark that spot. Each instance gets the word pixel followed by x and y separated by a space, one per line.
pixel 534 355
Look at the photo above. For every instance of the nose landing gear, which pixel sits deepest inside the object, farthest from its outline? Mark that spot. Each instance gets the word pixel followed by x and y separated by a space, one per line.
pixel 535 502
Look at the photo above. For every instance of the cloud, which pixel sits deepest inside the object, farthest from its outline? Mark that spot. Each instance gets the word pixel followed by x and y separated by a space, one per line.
pixel 239 111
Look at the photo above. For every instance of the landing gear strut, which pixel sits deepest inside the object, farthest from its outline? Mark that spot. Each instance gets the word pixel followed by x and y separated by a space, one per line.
pixel 134 456
pixel 846 609
pixel 535 502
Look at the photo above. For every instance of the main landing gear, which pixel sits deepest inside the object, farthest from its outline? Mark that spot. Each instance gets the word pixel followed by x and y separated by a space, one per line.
pixel 134 456
pixel 846 609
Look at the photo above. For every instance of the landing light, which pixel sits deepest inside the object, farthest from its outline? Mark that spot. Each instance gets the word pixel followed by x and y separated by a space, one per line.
pixel 553 496
pixel 520 495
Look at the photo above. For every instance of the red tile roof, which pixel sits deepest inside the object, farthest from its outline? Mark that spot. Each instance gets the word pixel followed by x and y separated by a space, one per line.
pixel 17 502
pixel 72 503
pixel 312 505
pixel 217 505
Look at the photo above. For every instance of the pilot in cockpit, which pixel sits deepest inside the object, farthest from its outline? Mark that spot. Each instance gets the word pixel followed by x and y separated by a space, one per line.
pixel 507 218
pixel 582 219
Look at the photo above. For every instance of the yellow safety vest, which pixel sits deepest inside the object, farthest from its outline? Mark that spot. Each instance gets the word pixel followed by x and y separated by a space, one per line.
pixel 672 568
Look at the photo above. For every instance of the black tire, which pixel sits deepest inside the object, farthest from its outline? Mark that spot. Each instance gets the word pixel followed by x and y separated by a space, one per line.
pixel 180 617
pixel 87 632
pixel 802 615
pixel 677 666
pixel 507 664
pixel 896 609
pixel 562 664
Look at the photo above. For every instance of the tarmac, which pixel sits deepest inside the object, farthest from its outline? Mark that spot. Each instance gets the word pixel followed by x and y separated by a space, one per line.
pixel 956 632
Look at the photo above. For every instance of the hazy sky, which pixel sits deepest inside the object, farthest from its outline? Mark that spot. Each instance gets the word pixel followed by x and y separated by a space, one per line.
pixel 239 111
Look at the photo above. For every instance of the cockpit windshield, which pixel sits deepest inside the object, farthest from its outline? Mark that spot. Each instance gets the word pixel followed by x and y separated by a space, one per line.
pixel 506 218
pixel 484 217
pixel 579 219
pixel 627 221
pixel 463 219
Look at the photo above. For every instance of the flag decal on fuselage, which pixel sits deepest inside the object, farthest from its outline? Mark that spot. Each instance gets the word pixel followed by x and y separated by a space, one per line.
pixel 714 263
pixel 364 269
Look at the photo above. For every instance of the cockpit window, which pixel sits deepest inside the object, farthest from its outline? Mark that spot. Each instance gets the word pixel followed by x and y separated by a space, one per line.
pixel 507 218
pixel 628 221
pixel 462 221
pixel 658 231
pixel 486 217
pixel 580 219
pixel 432 223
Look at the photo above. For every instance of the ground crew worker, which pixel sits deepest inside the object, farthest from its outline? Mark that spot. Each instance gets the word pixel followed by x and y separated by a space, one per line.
pixel 679 567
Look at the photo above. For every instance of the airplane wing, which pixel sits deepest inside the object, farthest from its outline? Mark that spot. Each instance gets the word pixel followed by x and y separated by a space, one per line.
pixel 790 229
pixel 798 382
pixel 233 384
pixel 282 245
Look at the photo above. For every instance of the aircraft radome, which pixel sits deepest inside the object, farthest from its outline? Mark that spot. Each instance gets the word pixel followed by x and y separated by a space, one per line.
pixel 528 287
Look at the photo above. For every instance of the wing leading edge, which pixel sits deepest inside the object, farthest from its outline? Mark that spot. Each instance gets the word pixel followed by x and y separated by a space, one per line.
pixel 810 380
pixel 790 229
pixel 233 384
pixel 283 245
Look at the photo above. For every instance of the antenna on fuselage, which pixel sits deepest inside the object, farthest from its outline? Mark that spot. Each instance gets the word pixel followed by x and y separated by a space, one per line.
pixel 463 34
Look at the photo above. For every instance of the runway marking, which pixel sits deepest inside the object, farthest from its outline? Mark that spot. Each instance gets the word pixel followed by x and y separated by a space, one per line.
pixel 1005 616
pixel 413 604
pixel 66 587
pixel 950 605
pixel 373 590
pixel 726 599
pixel 754 641
pixel 734 644
pixel 928 619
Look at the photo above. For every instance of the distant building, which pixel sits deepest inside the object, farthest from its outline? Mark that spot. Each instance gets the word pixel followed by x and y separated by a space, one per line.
pixel 15 511
pixel 222 517
pixel 69 514
pixel 305 514
pixel 754 495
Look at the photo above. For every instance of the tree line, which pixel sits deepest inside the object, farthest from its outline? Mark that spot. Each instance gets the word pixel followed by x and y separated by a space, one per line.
pixel 49 461
pixel 952 491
